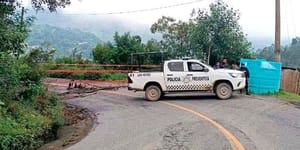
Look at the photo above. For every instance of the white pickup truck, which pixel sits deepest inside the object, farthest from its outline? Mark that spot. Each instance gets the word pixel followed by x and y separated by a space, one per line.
pixel 188 75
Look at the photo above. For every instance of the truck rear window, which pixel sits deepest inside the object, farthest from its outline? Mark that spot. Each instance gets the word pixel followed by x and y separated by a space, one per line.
pixel 175 66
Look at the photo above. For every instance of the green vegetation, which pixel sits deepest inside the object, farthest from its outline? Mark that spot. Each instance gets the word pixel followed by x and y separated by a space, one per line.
pixel 290 54
pixel 64 40
pixel 104 27
pixel 76 58
pixel 29 124
pixel 209 35
pixel 29 116
pixel 286 95
pixel 124 45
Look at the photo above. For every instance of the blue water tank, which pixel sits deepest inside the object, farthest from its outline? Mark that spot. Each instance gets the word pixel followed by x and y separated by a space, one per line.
pixel 265 76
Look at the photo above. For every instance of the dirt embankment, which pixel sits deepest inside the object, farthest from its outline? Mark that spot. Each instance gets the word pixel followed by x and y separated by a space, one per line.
pixel 78 121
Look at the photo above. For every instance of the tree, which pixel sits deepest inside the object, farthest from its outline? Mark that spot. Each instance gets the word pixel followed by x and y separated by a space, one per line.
pixel 125 45
pixel 104 53
pixel 119 51
pixel 15 27
pixel 50 4
pixel 42 54
pixel 22 91
pixel 267 53
pixel 152 45
pixel 218 33
pixel 290 53
pixel 176 36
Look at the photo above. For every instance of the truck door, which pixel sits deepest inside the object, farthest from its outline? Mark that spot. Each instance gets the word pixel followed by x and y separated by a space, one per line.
pixel 174 73
pixel 198 77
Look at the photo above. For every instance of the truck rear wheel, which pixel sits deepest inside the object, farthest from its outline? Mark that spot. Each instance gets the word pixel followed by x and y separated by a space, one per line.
pixel 224 91
pixel 153 93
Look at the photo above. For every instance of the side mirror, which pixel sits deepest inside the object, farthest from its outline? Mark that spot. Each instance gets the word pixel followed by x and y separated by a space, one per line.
pixel 205 70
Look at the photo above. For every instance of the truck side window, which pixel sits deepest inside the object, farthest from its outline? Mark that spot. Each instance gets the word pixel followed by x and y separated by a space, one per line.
pixel 175 66
pixel 195 66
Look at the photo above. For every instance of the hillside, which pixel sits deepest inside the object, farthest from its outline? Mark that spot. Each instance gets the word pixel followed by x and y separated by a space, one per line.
pixel 103 27
pixel 64 40
pixel 99 28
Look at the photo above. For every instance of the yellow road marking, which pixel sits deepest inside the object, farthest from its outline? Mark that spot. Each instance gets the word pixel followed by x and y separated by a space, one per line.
pixel 235 143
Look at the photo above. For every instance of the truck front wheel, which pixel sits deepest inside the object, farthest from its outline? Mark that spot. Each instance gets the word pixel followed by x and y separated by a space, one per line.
pixel 153 93
pixel 224 91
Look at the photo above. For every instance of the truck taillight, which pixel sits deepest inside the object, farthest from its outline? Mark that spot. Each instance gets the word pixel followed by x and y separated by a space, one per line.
pixel 129 79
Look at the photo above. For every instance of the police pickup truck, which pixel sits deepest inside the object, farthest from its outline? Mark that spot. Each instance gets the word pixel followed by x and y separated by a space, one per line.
pixel 187 75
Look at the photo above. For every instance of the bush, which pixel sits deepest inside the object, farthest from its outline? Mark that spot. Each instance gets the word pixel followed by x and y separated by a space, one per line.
pixel 29 116
pixel 28 125
pixel 18 79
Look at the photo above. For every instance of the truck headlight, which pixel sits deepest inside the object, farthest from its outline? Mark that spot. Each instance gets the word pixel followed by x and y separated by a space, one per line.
pixel 236 75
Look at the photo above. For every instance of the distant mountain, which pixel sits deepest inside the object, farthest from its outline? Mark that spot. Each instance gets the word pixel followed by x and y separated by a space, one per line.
pixel 103 27
pixel 64 40
pixel 262 42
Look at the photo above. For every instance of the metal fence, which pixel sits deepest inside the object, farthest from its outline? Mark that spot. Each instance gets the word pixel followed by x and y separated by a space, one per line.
pixel 290 80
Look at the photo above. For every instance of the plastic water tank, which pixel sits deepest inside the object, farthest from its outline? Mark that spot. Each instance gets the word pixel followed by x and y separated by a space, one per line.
pixel 265 75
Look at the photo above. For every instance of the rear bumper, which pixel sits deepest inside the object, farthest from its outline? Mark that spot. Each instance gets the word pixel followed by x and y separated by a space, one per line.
pixel 134 89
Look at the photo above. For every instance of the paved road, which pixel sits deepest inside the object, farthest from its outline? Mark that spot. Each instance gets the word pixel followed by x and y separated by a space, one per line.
pixel 125 121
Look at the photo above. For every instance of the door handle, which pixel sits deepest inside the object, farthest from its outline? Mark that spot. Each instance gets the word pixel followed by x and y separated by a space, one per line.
pixel 189 75
pixel 169 75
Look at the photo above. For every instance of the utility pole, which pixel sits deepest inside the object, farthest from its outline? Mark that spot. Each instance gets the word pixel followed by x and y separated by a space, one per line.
pixel 277 31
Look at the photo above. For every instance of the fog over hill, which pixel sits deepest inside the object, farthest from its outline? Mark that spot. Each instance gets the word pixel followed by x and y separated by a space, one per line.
pixel 64 40
pixel 104 28
pixel 259 42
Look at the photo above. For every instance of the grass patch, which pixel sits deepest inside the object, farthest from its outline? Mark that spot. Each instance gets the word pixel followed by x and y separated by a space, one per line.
pixel 114 76
pixel 286 95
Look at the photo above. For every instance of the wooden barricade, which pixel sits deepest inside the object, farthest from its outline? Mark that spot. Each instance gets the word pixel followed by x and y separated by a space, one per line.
pixel 290 80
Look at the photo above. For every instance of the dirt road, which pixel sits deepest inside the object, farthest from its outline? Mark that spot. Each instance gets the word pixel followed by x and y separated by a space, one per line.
pixel 126 121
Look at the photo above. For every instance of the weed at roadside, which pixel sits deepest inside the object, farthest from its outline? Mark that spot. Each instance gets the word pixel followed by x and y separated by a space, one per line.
pixel 286 95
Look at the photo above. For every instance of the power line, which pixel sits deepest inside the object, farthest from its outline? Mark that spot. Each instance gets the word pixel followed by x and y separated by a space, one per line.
pixel 140 10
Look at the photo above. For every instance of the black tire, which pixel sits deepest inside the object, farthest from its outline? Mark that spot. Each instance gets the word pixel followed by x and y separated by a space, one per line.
pixel 162 95
pixel 223 91
pixel 153 93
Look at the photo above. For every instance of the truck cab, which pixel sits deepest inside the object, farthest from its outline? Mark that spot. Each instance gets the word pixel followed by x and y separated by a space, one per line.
pixel 187 75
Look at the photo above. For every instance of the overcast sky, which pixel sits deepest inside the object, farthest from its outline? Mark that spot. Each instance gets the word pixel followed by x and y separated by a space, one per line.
pixel 257 16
